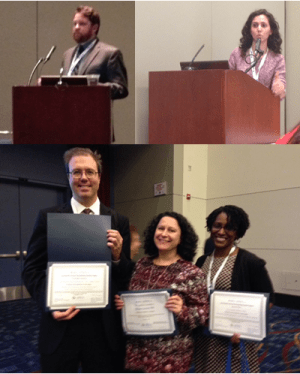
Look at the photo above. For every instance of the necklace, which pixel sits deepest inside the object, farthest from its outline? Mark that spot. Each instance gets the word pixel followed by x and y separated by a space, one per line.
pixel 154 284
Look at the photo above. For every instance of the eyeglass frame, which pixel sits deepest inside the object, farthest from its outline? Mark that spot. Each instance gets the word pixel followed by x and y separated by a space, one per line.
pixel 222 227
pixel 85 172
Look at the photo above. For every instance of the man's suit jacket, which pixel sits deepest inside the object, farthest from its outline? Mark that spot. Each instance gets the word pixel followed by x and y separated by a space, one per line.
pixel 34 276
pixel 105 60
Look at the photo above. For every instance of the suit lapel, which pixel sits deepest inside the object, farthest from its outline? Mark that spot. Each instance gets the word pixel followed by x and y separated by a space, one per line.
pixel 89 58
pixel 68 59
pixel 66 208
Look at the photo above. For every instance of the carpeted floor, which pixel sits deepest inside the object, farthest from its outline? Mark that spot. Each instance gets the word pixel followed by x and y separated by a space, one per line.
pixel 19 324
pixel 19 328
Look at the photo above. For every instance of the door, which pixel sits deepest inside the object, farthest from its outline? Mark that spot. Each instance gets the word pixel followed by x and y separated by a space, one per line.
pixel 20 202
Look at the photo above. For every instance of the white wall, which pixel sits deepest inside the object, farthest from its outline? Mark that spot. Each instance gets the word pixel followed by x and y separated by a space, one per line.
pixel 263 180
pixel 168 32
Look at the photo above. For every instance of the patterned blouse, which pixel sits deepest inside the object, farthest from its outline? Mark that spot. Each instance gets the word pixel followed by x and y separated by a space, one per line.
pixel 274 62
pixel 169 354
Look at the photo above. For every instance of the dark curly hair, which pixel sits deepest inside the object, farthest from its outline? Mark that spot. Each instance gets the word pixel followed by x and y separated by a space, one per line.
pixel 237 219
pixel 274 40
pixel 188 242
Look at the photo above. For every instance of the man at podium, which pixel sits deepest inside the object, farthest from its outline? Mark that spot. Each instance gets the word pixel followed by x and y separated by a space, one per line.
pixel 91 56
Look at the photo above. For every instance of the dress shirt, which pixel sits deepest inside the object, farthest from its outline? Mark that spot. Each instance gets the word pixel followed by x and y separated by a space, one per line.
pixel 78 208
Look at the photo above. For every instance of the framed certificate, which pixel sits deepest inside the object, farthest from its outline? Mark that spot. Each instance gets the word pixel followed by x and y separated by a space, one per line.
pixel 83 284
pixel 244 313
pixel 144 313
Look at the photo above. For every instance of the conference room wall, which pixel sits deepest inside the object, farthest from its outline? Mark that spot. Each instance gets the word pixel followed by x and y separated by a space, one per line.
pixel 260 179
pixel 29 29
pixel 190 178
pixel 263 181
pixel 136 169
pixel 168 32
pixel 292 57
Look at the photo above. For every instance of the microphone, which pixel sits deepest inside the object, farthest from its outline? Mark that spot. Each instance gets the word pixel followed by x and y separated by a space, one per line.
pixel 42 59
pixel 47 58
pixel 257 45
pixel 34 69
pixel 60 83
pixel 190 67
pixel 257 54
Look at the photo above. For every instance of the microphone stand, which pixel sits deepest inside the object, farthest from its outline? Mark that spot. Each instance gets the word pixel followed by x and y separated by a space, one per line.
pixel 60 83
pixel 190 67
pixel 34 69
pixel 260 53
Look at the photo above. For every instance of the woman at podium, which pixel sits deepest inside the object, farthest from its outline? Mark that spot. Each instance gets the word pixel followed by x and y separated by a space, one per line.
pixel 259 53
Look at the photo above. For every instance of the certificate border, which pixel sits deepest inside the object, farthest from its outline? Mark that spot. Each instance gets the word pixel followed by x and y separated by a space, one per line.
pixel 266 330
pixel 62 308
pixel 126 333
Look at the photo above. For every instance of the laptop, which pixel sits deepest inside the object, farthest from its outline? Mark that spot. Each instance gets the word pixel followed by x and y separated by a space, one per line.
pixel 200 65
pixel 74 80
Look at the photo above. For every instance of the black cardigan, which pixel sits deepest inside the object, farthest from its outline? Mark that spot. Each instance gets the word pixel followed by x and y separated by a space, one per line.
pixel 249 273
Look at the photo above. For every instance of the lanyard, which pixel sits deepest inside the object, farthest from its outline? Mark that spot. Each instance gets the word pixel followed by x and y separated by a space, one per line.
pixel 254 73
pixel 211 285
pixel 78 59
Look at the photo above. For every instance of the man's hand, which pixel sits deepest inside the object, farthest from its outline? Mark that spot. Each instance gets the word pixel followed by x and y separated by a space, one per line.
pixel 67 315
pixel 278 87
pixel 115 242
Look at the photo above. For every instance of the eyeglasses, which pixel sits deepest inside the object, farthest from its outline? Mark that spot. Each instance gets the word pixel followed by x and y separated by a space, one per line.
pixel 227 228
pixel 77 174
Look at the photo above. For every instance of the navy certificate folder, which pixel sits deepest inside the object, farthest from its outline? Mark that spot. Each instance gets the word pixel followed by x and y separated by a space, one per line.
pixel 78 237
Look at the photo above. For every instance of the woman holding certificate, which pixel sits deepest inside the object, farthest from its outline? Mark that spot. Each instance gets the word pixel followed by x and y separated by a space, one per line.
pixel 229 268
pixel 259 53
pixel 170 243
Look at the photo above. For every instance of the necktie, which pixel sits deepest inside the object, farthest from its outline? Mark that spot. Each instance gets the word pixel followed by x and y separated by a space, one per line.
pixel 87 211
pixel 80 50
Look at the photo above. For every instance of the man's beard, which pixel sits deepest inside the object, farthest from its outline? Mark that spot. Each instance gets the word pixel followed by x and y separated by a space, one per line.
pixel 79 38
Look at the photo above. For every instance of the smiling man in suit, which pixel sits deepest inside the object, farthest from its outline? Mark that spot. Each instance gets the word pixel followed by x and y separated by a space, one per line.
pixel 91 56
pixel 93 338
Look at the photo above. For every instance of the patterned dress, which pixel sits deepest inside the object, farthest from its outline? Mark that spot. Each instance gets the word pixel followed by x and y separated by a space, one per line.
pixel 211 351
pixel 169 354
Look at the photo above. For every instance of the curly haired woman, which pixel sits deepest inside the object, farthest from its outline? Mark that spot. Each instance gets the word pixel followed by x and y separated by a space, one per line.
pixel 270 68
pixel 170 243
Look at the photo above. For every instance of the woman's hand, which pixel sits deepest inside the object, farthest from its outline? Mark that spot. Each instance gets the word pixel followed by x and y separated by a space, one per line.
pixel 278 87
pixel 235 339
pixel 67 315
pixel 118 302
pixel 174 304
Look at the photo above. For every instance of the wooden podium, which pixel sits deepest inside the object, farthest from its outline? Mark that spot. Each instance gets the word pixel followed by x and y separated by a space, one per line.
pixel 61 115
pixel 211 107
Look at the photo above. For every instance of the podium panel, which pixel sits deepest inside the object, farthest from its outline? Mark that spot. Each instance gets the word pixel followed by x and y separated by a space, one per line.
pixel 61 115
pixel 211 107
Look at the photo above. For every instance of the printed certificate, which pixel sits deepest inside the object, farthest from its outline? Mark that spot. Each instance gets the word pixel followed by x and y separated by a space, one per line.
pixel 145 313
pixel 85 285
pixel 244 313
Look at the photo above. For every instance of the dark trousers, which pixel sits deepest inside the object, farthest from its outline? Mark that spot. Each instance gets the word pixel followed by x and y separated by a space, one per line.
pixel 84 344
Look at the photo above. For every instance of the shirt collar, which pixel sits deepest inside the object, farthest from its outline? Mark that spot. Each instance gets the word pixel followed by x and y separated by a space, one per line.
pixel 78 208
pixel 86 44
